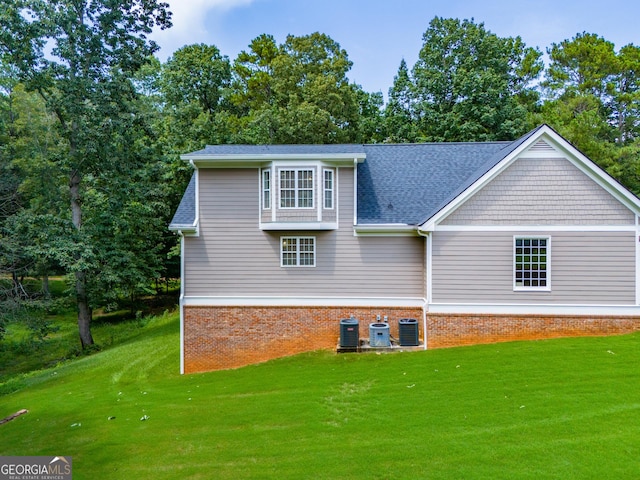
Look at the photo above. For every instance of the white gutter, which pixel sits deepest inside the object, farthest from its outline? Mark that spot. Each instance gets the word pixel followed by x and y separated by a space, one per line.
pixel 388 229
pixel 262 157
pixel 254 161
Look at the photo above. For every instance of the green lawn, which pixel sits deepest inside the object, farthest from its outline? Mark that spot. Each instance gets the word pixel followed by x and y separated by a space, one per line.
pixel 562 409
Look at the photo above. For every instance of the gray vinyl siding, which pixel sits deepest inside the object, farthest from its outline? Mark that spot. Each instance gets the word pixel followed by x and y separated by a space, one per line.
pixel 586 268
pixel 233 257
pixel 542 191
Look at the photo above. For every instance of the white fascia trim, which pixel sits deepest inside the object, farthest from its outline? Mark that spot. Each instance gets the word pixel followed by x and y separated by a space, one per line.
pixel 598 175
pixel 239 161
pixel 521 309
pixel 386 229
pixel 534 228
pixel 303 301
pixel 294 226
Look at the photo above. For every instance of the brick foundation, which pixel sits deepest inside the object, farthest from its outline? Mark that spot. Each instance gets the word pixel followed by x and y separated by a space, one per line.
pixel 217 338
pixel 446 330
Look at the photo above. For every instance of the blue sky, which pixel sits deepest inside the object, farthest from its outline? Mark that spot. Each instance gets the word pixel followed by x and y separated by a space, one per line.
pixel 377 34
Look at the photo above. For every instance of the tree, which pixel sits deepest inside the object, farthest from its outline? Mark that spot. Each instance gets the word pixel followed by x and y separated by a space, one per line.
pixel 85 79
pixel 578 85
pixel 297 92
pixel 193 83
pixel 593 100
pixel 585 64
pixel 399 114
pixel 470 84
pixel 9 181
pixel 27 191
pixel 196 74
pixel 370 117
pixel 625 95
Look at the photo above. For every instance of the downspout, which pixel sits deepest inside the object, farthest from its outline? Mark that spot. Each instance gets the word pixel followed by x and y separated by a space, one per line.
pixel 355 194
pixel 427 279
pixel 637 242
pixel 181 302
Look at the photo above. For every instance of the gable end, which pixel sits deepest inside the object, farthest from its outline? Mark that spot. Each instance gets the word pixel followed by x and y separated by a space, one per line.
pixel 541 191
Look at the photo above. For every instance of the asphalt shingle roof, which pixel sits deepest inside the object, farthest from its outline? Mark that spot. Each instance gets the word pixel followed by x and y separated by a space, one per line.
pixel 397 183
pixel 407 183
pixel 186 213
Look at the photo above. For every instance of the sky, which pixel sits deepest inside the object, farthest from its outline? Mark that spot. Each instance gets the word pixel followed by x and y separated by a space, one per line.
pixel 378 34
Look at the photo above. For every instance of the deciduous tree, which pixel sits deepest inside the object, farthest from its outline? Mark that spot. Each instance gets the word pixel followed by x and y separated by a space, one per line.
pixel 80 56
pixel 297 92
pixel 470 84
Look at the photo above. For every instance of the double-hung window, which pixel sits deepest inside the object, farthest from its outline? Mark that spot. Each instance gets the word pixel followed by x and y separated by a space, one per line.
pixel 266 189
pixel 531 268
pixel 298 251
pixel 296 188
pixel 328 189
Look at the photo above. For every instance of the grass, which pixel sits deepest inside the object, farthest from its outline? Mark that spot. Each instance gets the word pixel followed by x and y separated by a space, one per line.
pixel 567 408
pixel 21 353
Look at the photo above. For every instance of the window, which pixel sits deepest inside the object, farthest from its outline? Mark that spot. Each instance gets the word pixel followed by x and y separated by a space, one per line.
pixel 531 263
pixel 296 188
pixel 298 251
pixel 266 189
pixel 328 189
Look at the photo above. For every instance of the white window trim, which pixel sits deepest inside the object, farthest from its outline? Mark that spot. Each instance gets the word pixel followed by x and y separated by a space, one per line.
pixel 331 192
pixel 547 287
pixel 266 192
pixel 296 189
pixel 297 240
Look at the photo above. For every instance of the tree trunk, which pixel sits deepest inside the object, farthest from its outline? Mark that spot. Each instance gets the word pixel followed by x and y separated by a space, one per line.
pixel 84 311
pixel 45 286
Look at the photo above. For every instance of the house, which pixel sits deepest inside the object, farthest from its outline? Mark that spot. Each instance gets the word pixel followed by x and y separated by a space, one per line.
pixel 480 242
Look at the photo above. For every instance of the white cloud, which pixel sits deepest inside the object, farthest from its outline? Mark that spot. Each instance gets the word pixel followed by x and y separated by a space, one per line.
pixel 188 18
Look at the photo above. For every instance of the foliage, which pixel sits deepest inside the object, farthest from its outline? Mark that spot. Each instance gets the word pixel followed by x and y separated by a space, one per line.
pixel 486 411
pixel 399 115
pixel 193 83
pixel 471 85
pixel 93 49
pixel 25 303
pixel 593 100
pixel 371 127
pixel 296 92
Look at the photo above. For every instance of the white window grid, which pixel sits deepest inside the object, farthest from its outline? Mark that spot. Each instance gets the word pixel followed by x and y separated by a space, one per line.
pixel 296 188
pixel 298 251
pixel 531 263
pixel 266 189
pixel 328 189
